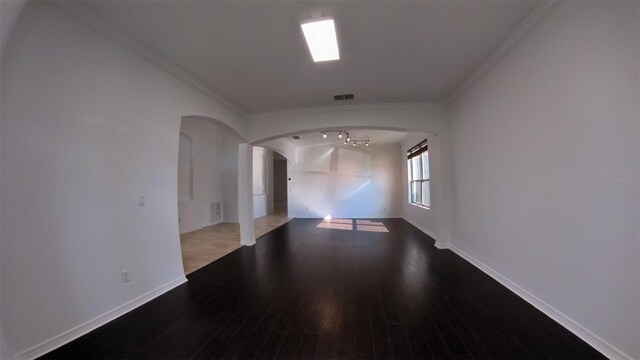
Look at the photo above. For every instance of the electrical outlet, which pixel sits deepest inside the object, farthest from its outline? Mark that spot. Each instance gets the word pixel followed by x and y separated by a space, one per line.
pixel 125 276
pixel 461 236
pixel 141 201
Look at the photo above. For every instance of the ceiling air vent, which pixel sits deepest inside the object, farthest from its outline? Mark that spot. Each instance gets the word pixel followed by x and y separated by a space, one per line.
pixel 296 137
pixel 343 97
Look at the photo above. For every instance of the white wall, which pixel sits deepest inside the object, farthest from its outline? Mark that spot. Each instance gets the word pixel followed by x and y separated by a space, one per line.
pixel 262 181
pixel 545 155
pixel 5 351
pixel 9 13
pixel 230 179
pixel 346 182
pixel 87 128
pixel 208 156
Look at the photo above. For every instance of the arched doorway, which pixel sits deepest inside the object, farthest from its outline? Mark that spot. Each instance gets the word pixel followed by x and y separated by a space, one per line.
pixel 335 173
pixel 207 193
pixel 223 183
pixel 429 119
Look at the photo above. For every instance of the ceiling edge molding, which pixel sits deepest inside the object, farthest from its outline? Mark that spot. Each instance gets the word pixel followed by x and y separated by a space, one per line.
pixel 87 18
pixel 325 109
pixel 537 17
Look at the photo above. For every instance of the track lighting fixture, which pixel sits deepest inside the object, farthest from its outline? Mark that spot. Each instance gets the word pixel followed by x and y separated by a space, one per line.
pixel 356 142
pixel 347 138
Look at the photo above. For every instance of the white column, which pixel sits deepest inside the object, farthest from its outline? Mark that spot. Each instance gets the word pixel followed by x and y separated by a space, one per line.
pixel 245 194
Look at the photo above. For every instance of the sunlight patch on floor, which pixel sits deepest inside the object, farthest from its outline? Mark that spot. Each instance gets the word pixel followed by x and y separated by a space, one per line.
pixel 335 225
pixel 353 225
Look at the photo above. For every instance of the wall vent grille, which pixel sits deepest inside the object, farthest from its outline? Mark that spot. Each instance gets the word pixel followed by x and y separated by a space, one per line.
pixel 343 97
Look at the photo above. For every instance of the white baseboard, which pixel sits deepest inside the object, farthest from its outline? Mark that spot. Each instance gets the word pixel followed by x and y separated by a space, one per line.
pixel 200 228
pixel 590 338
pixel 426 231
pixel 441 246
pixel 385 216
pixel 76 332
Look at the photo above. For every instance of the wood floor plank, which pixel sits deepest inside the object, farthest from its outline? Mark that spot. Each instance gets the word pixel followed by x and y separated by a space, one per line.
pixel 399 342
pixel 308 347
pixel 363 346
pixel 289 347
pixel 257 338
pixel 306 292
pixel 382 347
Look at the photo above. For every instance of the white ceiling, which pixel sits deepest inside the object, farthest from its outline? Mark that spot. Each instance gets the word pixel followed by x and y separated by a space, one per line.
pixel 377 137
pixel 253 52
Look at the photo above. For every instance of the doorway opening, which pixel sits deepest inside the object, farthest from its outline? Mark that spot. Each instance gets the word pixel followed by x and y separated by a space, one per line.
pixel 270 190
pixel 280 181
pixel 208 218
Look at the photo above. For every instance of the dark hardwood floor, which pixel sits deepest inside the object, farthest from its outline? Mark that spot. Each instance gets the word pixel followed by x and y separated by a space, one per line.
pixel 310 292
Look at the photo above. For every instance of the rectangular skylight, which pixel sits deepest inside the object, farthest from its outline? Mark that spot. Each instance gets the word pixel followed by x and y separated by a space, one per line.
pixel 321 39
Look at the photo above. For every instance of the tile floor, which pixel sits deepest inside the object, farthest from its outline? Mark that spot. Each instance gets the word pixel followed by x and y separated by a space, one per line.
pixel 201 247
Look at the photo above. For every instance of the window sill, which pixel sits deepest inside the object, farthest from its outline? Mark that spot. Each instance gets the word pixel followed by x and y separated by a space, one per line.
pixel 420 206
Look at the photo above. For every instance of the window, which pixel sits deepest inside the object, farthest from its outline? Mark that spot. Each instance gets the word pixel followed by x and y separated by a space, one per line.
pixel 185 167
pixel 418 168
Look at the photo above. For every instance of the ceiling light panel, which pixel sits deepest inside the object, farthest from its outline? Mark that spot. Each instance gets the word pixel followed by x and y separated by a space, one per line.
pixel 321 39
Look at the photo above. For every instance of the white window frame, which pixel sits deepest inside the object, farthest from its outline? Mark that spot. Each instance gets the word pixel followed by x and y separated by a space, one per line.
pixel 420 150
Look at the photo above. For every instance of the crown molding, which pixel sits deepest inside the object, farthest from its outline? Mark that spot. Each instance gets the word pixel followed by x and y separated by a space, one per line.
pixel 87 18
pixel 537 17
pixel 325 109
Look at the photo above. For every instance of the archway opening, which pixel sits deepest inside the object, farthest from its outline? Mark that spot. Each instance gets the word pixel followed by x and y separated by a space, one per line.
pixel 207 191
pixel 346 172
